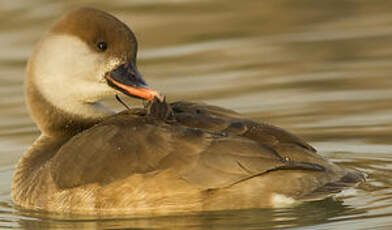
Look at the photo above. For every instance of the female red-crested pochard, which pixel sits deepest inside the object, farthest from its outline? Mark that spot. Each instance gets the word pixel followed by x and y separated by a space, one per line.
pixel 160 159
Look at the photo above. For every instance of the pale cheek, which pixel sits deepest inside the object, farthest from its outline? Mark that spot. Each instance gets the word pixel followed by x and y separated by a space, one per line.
pixel 105 66
pixel 100 91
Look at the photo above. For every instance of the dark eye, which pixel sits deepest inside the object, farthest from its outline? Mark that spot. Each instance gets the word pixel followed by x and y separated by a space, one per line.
pixel 102 46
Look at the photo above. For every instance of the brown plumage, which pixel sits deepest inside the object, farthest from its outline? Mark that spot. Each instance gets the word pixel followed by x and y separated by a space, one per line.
pixel 167 157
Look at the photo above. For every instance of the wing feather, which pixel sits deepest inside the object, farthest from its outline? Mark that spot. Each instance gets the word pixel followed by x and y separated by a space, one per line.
pixel 207 146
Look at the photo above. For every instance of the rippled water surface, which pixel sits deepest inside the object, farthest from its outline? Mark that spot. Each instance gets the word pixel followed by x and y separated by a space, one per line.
pixel 321 69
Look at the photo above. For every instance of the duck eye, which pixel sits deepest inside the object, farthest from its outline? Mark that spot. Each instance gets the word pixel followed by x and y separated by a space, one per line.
pixel 102 46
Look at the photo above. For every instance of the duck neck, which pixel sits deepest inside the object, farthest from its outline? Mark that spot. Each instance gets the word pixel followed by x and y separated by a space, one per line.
pixel 53 121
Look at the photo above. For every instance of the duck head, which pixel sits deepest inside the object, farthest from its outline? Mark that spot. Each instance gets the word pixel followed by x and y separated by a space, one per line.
pixel 86 56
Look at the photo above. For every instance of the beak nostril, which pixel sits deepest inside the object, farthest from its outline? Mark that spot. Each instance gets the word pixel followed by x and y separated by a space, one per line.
pixel 133 74
pixel 128 80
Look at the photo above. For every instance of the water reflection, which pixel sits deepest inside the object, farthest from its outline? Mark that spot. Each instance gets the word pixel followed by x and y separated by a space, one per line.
pixel 318 68
pixel 318 211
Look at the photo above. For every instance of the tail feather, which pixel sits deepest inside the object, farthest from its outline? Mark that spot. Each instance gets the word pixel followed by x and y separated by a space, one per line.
pixel 349 179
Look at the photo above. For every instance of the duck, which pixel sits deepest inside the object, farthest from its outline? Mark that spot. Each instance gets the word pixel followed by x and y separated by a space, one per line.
pixel 159 159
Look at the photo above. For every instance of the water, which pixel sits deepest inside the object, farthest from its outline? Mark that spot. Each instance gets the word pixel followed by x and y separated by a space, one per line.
pixel 321 69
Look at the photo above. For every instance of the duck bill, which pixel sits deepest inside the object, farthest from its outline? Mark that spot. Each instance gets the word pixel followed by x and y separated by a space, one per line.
pixel 127 79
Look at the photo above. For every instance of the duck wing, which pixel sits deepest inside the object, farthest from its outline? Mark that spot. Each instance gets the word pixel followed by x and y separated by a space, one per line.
pixel 126 145
pixel 291 151
pixel 207 146
pixel 213 118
